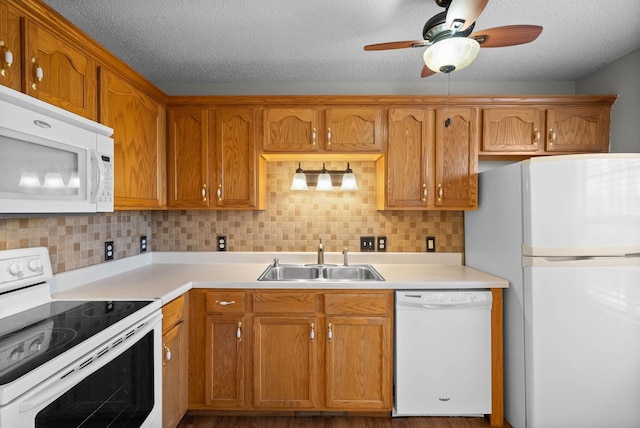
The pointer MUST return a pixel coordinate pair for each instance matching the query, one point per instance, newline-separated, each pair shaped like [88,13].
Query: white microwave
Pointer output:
[52,160]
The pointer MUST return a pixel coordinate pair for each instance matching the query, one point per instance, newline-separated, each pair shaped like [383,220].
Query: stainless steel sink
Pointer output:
[291,272]
[351,273]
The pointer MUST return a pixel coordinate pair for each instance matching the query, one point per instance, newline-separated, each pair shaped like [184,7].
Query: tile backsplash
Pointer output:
[293,221]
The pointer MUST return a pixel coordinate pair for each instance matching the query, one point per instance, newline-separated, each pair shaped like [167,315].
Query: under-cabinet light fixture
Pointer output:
[324,180]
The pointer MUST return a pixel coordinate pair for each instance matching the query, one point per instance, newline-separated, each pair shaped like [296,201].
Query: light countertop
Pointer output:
[166,275]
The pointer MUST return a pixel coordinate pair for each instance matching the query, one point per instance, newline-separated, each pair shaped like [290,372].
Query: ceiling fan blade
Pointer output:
[462,13]
[509,35]
[396,45]
[426,72]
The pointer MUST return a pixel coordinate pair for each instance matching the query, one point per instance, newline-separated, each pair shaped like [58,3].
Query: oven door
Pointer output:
[117,384]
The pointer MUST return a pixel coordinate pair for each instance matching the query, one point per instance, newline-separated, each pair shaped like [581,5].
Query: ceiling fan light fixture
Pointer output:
[454,53]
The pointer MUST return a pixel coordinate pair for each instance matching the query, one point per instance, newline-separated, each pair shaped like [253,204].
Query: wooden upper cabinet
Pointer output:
[353,129]
[578,129]
[290,129]
[317,129]
[188,163]
[513,129]
[139,124]
[457,158]
[57,72]
[235,184]
[409,151]
[10,74]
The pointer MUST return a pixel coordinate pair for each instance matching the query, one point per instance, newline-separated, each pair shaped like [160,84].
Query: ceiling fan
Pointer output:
[451,44]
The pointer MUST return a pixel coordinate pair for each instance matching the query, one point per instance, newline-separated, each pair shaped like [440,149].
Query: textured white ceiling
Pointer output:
[286,41]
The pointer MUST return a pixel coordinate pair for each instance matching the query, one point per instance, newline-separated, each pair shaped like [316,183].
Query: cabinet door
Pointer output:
[285,362]
[68,78]
[235,158]
[224,361]
[409,151]
[10,46]
[139,125]
[358,372]
[174,376]
[290,129]
[457,158]
[188,159]
[513,130]
[578,129]
[353,129]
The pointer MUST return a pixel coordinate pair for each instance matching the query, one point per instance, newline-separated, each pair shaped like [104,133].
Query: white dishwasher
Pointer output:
[442,353]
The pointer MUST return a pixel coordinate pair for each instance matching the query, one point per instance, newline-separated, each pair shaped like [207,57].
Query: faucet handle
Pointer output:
[276,262]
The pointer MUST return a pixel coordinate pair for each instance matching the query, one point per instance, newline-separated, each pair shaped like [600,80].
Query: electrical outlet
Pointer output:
[221,242]
[109,250]
[381,244]
[431,244]
[367,243]
[143,243]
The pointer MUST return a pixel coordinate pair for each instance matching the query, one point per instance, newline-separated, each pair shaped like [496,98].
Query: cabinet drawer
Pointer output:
[284,302]
[225,301]
[358,303]
[172,313]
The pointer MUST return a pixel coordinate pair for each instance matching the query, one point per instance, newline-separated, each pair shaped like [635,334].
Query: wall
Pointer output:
[295,220]
[77,241]
[621,77]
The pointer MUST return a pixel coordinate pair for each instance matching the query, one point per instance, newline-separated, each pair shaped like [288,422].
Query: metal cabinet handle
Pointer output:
[328,136]
[239,331]
[167,354]
[313,137]
[424,192]
[7,58]
[38,72]
[225,302]
[312,335]
[204,192]
[536,136]
[440,192]
[330,332]
[552,137]
[219,192]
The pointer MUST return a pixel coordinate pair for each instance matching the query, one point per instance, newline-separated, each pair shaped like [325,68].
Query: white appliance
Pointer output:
[442,353]
[72,363]
[565,232]
[51,160]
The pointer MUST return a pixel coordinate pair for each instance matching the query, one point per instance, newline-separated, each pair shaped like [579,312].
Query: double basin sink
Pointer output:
[299,272]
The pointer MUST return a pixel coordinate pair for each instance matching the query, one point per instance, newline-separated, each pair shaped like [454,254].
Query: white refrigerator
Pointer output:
[565,232]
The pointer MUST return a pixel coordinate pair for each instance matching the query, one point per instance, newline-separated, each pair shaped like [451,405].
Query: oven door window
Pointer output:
[120,394]
[41,170]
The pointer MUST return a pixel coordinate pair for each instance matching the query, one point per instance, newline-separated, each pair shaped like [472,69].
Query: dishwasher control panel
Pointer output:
[445,298]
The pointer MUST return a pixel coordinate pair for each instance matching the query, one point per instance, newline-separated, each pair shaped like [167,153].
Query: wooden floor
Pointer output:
[329,422]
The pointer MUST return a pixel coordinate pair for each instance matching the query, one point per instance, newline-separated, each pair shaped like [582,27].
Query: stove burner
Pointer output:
[60,336]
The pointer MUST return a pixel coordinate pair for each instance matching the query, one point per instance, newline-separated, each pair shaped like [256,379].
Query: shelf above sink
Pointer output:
[296,272]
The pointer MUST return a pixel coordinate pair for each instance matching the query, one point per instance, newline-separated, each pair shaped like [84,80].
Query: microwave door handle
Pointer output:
[99,172]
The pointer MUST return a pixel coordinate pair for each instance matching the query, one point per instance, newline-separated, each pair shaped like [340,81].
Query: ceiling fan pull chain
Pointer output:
[448,121]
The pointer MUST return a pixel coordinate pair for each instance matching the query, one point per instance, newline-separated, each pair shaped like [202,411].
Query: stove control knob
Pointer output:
[35,265]
[16,354]
[36,345]
[16,269]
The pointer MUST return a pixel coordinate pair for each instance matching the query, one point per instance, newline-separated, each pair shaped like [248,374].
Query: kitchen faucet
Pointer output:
[320,253]
[345,252]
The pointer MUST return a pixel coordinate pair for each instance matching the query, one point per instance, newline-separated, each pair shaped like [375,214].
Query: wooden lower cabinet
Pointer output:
[174,362]
[290,350]
[285,358]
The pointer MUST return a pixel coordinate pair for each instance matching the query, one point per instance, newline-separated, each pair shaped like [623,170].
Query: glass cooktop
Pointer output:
[33,337]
